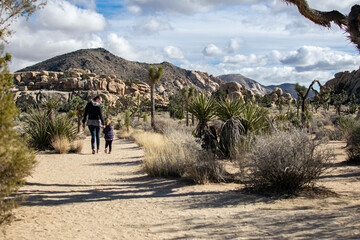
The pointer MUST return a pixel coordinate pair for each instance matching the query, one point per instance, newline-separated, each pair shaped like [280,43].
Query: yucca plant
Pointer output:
[37,127]
[41,128]
[254,119]
[203,108]
[230,112]
[51,105]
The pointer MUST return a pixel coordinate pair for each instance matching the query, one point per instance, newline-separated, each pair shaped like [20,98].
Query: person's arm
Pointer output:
[101,117]
[85,114]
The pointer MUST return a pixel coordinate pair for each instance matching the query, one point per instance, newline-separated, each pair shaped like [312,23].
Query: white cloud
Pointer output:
[153,25]
[64,16]
[183,7]
[212,50]
[120,46]
[309,58]
[242,60]
[89,4]
[173,53]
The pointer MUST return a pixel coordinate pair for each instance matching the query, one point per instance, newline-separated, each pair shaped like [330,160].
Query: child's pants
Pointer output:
[108,144]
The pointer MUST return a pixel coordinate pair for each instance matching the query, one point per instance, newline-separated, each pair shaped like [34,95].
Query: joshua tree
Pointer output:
[350,23]
[187,95]
[303,93]
[339,99]
[153,77]
[191,95]
[230,112]
[77,105]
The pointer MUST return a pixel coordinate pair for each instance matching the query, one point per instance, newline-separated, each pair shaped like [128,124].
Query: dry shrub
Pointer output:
[206,169]
[165,157]
[286,161]
[177,154]
[353,144]
[149,139]
[76,146]
[60,144]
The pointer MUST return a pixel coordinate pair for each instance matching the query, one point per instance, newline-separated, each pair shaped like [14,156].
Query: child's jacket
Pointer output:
[109,133]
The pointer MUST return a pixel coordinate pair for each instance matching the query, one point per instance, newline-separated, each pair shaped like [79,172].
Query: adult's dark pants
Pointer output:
[95,135]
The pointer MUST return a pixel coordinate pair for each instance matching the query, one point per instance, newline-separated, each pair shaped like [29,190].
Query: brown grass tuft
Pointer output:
[76,146]
[61,144]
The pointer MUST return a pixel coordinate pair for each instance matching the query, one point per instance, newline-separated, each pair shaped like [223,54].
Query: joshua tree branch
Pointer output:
[350,23]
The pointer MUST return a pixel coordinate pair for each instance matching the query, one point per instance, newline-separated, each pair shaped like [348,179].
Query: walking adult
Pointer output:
[95,121]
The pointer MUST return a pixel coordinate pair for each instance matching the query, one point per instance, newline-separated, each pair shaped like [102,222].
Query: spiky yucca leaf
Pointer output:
[203,108]
[42,128]
[229,108]
[254,119]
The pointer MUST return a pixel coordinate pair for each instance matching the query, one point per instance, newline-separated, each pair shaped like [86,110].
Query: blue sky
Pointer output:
[266,40]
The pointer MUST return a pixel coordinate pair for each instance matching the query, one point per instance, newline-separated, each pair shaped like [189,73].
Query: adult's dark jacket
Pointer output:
[94,113]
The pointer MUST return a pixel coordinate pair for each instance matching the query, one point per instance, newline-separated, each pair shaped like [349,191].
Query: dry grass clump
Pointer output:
[124,132]
[285,162]
[76,146]
[60,144]
[166,156]
[177,154]
[149,139]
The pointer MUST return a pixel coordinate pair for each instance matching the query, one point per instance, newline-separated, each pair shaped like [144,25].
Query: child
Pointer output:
[109,135]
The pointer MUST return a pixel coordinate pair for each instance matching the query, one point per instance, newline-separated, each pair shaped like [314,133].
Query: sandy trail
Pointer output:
[107,196]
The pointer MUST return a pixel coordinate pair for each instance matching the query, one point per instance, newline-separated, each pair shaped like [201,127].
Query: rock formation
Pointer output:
[28,86]
[349,81]
[235,90]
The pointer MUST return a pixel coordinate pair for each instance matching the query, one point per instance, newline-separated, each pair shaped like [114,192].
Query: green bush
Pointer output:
[41,128]
[16,160]
[353,143]
[286,161]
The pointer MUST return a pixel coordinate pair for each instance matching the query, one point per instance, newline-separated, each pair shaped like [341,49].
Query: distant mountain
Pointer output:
[101,61]
[247,82]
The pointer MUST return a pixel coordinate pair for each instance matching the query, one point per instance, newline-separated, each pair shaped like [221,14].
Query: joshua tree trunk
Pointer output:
[152,105]
[187,118]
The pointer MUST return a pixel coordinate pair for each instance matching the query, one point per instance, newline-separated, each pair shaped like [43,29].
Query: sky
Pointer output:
[266,40]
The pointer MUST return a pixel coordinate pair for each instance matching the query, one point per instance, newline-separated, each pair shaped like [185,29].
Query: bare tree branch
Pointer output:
[349,23]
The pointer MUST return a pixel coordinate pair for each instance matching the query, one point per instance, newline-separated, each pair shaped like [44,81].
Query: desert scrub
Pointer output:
[16,160]
[41,128]
[76,146]
[353,143]
[166,156]
[287,161]
[178,154]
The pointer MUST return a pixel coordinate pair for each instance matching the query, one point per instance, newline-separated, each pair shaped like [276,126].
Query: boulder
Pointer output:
[278,91]
[236,95]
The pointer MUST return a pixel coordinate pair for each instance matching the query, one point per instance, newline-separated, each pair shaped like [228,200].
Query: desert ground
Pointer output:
[108,196]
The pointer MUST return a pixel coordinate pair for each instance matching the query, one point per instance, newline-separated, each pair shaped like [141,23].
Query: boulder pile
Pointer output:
[277,94]
[235,90]
[83,82]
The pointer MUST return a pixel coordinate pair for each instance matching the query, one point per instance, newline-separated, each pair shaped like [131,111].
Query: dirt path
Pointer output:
[85,196]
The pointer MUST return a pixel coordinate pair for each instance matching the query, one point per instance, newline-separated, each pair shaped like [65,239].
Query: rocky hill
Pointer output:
[249,83]
[100,61]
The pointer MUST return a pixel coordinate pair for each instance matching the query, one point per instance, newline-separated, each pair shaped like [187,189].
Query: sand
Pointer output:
[108,196]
